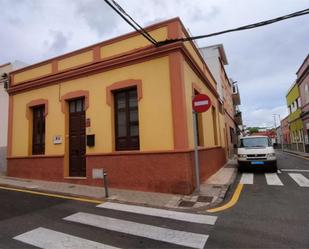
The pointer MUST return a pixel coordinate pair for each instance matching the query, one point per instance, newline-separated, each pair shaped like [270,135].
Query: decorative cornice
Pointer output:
[109,64]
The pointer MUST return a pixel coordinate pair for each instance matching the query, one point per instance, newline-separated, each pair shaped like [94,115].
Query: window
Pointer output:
[232,134]
[126,120]
[299,102]
[38,130]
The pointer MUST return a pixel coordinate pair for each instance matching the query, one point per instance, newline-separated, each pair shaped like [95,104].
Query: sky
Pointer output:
[263,61]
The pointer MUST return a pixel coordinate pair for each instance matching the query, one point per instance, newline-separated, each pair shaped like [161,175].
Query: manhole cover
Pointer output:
[186,204]
[71,186]
[204,199]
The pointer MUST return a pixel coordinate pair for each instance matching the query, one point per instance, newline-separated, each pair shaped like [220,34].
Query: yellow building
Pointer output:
[123,105]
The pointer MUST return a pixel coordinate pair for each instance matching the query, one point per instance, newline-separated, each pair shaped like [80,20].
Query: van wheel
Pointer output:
[274,167]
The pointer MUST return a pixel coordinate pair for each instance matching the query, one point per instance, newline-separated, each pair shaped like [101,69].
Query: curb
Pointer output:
[295,153]
[56,193]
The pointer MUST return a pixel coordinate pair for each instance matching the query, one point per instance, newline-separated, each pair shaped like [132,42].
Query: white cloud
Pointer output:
[264,117]
[263,61]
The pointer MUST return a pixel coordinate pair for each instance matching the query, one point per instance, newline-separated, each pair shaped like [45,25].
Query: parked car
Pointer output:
[256,152]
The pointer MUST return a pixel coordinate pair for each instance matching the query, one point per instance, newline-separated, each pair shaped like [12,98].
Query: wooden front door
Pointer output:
[77,138]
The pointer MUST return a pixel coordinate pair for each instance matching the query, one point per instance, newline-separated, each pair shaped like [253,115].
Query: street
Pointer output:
[265,216]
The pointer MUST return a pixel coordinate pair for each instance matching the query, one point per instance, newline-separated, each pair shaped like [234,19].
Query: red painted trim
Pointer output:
[36,102]
[174,30]
[6,64]
[121,85]
[100,44]
[119,153]
[75,95]
[54,66]
[179,107]
[96,53]
[184,30]
[138,57]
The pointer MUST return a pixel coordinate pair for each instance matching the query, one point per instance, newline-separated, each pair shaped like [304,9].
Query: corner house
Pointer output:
[123,105]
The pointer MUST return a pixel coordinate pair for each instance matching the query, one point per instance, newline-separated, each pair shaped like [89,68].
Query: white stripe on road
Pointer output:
[49,239]
[295,170]
[273,179]
[196,218]
[152,232]
[246,178]
[300,179]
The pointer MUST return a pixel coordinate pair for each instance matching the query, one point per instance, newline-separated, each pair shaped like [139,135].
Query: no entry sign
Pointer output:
[201,103]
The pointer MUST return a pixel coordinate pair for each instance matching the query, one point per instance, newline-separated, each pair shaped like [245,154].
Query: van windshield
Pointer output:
[254,142]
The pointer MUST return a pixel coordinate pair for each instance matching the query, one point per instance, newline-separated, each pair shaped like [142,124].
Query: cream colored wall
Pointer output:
[134,42]
[208,129]
[75,60]
[155,112]
[54,119]
[32,73]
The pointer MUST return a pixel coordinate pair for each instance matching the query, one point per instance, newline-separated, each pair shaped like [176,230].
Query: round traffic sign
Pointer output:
[201,103]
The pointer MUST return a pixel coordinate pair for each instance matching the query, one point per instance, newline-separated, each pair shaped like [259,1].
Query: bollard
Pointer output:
[105,183]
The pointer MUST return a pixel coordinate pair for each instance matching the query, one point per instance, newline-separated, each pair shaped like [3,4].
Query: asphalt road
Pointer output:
[265,216]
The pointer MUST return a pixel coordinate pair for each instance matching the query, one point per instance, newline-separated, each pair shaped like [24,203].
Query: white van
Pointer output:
[256,152]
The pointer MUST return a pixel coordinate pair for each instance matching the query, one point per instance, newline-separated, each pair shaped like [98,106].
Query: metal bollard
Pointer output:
[105,183]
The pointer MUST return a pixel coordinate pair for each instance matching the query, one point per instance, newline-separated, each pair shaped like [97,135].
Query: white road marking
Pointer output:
[196,218]
[300,179]
[49,239]
[279,171]
[295,170]
[246,178]
[273,179]
[193,240]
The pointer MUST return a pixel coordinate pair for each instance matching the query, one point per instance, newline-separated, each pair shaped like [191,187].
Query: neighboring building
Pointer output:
[286,132]
[216,60]
[269,133]
[295,121]
[5,69]
[131,102]
[303,84]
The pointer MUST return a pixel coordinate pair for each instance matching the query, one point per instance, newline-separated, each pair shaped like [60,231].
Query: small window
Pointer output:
[126,120]
[38,130]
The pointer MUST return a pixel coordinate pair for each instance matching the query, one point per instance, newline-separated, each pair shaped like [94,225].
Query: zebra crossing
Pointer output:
[273,179]
[51,239]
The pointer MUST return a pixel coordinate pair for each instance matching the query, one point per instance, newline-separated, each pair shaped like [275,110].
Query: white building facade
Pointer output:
[5,69]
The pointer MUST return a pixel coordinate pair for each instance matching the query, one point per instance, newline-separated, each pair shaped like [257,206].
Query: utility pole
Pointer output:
[281,132]
[274,115]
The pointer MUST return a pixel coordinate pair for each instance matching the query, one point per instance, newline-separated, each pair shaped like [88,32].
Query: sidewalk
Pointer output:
[303,154]
[212,191]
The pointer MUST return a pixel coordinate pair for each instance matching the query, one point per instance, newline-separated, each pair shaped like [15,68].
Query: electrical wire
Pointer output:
[140,30]
[125,13]
[250,26]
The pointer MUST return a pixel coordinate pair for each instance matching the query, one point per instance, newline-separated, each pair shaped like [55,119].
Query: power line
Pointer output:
[250,26]
[121,12]
[125,13]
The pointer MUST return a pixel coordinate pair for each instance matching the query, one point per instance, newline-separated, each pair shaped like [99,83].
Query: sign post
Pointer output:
[200,103]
